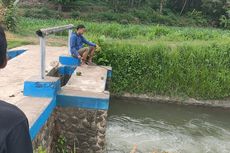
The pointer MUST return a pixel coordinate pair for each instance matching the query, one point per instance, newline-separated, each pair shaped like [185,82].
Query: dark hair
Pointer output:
[80,26]
[3,46]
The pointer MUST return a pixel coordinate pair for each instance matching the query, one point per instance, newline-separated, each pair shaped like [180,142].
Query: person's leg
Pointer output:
[91,53]
[84,54]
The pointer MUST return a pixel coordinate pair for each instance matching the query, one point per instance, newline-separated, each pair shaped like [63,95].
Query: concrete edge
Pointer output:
[174,100]
[40,122]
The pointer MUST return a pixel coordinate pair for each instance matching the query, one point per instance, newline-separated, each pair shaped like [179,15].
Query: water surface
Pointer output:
[167,127]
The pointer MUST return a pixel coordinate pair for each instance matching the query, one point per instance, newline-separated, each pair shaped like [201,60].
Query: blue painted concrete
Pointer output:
[34,130]
[66,70]
[14,53]
[82,102]
[41,89]
[50,89]
[69,60]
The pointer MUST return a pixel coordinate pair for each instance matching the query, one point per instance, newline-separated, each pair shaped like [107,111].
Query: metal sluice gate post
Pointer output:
[43,33]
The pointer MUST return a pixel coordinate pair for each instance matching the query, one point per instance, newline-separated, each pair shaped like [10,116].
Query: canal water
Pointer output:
[167,127]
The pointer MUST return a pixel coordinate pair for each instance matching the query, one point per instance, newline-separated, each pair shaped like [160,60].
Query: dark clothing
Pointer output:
[14,130]
[3,46]
[76,43]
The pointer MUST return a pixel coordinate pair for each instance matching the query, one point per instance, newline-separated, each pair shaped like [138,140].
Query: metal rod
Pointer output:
[48,31]
[43,56]
[69,47]
[42,33]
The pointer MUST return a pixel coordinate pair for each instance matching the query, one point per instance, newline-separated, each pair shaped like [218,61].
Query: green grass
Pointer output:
[157,60]
[16,43]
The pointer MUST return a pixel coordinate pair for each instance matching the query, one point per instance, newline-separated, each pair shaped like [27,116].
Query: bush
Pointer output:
[75,14]
[10,18]
[196,71]
[42,13]
[157,59]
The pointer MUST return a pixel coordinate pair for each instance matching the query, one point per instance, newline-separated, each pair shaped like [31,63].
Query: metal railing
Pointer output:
[43,33]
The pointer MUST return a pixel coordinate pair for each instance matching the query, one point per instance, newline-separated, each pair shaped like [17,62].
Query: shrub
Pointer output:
[42,13]
[75,14]
[196,71]
[10,18]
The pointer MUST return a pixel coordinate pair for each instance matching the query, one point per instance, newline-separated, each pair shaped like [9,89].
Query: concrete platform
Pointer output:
[86,89]
[91,78]
[24,66]
[20,69]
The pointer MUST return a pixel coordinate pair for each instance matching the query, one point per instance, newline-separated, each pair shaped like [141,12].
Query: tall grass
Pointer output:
[115,30]
[192,62]
[186,70]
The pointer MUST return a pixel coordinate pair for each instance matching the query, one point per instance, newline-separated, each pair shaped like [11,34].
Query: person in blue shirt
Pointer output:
[78,50]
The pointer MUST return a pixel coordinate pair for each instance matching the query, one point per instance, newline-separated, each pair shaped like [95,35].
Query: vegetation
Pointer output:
[8,14]
[168,12]
[157,59]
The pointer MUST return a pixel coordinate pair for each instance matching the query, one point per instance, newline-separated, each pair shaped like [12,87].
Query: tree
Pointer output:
[185,3]
[161,6]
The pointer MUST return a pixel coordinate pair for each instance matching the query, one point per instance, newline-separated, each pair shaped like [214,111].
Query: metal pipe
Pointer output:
[42,33]
[43,56]
[48,31]
[69,47]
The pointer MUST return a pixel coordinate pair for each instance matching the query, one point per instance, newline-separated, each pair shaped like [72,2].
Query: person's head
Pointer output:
[3,48]
[80,29]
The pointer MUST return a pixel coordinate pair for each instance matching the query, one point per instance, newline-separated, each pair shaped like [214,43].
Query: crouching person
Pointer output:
[77,41]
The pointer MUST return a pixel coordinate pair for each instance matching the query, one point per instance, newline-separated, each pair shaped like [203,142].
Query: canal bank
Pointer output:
[71,101]
[61,121]
[224,103]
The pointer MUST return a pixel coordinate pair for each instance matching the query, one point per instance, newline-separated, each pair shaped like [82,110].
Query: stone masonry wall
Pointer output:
[82,128]
[45,138]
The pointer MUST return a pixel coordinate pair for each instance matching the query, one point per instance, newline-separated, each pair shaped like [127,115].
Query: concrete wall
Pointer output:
[83,129]
[45,138]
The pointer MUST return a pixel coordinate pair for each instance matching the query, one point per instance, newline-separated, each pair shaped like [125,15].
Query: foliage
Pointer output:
[10,18]
[75,14]
[42,13]
[173,12]
[157,59]
[40,150]
[61,146]
[196,71]
[2,12]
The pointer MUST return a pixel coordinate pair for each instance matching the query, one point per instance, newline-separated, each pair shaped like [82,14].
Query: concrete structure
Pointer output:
[77,111]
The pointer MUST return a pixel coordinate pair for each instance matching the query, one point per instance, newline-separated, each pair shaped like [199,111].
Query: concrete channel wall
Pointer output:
[71,102]
[79,116]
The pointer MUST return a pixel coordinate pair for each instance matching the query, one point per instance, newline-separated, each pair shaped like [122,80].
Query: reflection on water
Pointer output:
[167,127]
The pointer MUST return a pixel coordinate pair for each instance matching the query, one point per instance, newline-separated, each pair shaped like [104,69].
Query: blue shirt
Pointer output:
[76,43]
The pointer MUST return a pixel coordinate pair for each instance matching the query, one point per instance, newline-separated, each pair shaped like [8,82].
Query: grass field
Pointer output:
[155,60]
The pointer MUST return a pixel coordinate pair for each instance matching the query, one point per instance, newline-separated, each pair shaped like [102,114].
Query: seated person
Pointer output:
[14,128]
[76,44]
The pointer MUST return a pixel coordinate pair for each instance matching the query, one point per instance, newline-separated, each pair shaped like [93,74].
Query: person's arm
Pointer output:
[88,42]
[73,44]
[18,140]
